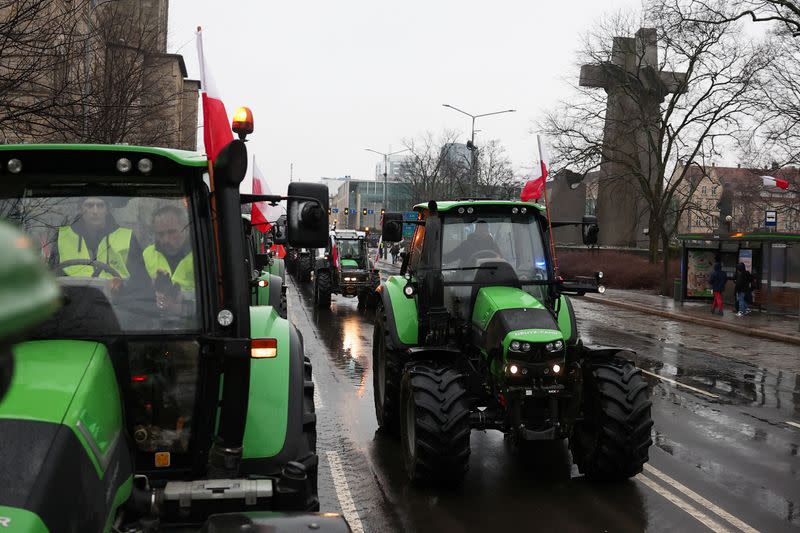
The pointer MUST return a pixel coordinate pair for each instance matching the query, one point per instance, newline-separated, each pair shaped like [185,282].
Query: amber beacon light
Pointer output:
[243,122]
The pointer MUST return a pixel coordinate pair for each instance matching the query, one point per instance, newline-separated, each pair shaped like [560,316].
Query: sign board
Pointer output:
[408,229]
[770,219]
[335,210]
[370,211]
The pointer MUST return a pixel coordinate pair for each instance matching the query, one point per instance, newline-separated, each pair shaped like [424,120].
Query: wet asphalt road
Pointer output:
[725,454]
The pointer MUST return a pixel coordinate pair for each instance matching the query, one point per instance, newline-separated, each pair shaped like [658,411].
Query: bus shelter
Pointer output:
[772,258]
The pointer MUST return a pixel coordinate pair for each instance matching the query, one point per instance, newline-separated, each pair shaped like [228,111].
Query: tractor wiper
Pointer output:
[468,268]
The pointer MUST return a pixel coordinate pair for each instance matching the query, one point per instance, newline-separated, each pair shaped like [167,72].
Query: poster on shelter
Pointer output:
[746,257]
[699,268]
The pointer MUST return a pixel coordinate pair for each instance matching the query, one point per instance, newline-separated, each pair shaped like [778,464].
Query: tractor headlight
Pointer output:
[516,345]
[512,369]
[555,346]
[526,347]
[124,165]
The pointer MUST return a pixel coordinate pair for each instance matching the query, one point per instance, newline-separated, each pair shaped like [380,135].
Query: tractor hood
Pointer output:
[499,311]
[61,433]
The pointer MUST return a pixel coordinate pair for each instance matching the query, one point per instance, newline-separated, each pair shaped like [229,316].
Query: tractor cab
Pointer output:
[345,268]
[159,392]
[478,329]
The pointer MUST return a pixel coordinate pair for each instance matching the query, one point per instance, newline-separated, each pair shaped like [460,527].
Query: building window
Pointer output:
[704,190]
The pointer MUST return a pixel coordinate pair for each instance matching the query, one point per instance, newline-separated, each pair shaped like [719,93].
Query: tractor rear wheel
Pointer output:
[322,289]
[310,419]
[434,423]
[611,443]
[386,375]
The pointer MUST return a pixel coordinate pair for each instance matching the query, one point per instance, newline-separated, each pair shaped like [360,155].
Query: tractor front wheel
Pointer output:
[611,443]
[304,268]
[434,423]
[386,374]
[322,289]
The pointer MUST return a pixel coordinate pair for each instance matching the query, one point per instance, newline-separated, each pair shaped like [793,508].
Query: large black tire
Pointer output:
[304,267]
[310,419]
[387,371]
[612,440]
[434,423]
[322,289]
[283,307]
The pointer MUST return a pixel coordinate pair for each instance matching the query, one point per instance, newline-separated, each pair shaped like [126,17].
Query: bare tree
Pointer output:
[690,124]
[428,170]
[79,71]
[786,13]
[495,173]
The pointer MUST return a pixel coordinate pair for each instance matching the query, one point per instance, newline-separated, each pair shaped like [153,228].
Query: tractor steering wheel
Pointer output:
[98,266]
[483,254]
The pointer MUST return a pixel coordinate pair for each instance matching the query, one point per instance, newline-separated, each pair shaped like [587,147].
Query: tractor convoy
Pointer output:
[148,371]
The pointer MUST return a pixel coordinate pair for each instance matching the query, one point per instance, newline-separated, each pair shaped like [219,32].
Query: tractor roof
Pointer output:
[448,205]
[181,157]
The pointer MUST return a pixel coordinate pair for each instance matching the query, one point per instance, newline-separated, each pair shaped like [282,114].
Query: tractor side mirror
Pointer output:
[307,215]
[278,231]
[392,229]
[262,262]
[230,166]
[590,230]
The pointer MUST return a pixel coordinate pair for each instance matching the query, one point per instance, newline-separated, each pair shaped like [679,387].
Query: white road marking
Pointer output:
[703,518]
[722,513]
[317,398]
[678,384]
[795,424]
[343,492]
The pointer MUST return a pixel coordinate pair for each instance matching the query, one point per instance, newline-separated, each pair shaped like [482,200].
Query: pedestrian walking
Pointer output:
[395,251]
[717,280]
[743,282]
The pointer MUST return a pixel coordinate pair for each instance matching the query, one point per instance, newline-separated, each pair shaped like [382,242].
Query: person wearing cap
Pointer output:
[96,236]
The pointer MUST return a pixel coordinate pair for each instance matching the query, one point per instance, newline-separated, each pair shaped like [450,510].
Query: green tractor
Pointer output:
[28,295]
[477,333]
[269,286]
[345,268]
[158,394]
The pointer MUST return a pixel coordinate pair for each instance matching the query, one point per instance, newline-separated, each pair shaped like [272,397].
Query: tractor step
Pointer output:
[203,497]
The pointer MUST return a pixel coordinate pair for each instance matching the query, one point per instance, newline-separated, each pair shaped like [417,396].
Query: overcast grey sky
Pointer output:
[328,79]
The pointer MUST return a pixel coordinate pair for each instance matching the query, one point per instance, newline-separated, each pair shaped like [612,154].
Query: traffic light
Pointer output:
[364,212]
[346,210]
[383,211]
[329,211]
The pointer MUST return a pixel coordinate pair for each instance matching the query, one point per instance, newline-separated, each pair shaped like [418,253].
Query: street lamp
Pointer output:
[471,144]
[385,167]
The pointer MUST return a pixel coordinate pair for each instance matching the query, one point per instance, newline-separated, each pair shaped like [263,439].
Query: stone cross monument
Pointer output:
[636,88]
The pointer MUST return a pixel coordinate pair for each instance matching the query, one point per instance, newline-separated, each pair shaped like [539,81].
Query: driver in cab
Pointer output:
[169,261]
[96,237]
[479,241]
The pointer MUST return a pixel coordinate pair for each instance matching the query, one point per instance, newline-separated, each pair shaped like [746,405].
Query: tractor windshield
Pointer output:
[122,253]
[472,242]
[352,252]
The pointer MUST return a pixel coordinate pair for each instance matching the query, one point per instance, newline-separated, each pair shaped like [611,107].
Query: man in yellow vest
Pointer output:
[169,261]
[96,236]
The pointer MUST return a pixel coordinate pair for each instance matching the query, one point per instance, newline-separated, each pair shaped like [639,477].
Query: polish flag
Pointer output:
[216,126]
[769,181]
[262,212]
[535,186]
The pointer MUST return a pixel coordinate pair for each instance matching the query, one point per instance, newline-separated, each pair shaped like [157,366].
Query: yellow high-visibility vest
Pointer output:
[184,271]
[113,250]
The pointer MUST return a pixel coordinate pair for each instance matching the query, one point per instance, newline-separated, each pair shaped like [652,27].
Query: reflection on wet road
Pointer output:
[724,457]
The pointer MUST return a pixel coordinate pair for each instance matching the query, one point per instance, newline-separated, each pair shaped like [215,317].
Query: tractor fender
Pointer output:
[600,353]
[275,419]
[402,321]
[275,288]
[566,321]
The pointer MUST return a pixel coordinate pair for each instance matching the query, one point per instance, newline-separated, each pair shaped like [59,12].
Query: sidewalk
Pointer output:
[774,327]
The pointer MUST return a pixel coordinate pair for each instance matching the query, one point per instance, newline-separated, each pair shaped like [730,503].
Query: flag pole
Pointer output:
[547,210]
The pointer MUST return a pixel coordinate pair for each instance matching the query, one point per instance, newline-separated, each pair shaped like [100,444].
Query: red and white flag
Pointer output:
[535,187]
[261,213]
[216,125]
[769,181]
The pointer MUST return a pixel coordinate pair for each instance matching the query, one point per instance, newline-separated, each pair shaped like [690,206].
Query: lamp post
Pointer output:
[471,145]
[385,167]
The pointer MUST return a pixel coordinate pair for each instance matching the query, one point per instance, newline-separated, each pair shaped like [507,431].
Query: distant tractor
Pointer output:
[477,333]
[345,268]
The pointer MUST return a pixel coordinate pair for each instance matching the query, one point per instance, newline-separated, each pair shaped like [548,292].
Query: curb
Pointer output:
[752,332]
